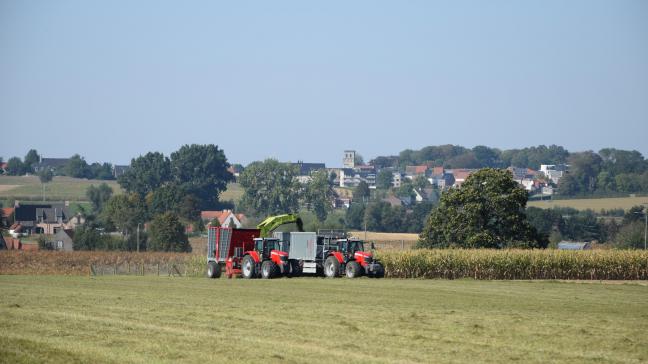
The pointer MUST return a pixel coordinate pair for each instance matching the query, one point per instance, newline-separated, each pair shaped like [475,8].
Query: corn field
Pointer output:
[516,264]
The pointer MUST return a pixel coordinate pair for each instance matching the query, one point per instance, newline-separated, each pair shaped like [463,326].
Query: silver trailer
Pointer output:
[304,248]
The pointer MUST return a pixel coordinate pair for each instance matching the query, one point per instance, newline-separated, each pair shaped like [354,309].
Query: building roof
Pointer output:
[572,245]
[415,170]
[7,211]
[48,213]
[305,169]
[461,174]
[52,162]
[220,215]
[438,171]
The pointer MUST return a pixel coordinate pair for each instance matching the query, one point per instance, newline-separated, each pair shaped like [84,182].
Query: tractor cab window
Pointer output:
[265,246]
[351,246]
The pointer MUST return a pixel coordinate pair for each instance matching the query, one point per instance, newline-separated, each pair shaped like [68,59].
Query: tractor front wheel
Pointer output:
[353,269]
[248,267]
[331,267]
[213,270]
[379,272]
[268,269]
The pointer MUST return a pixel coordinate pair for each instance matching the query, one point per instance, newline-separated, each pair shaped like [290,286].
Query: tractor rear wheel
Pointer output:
[268,269]
[213,270]
[353,269]
[248,267]
[331,267]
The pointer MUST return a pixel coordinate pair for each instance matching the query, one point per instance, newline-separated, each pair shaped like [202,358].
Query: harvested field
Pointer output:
[61,188]
[595,204]
[127,319]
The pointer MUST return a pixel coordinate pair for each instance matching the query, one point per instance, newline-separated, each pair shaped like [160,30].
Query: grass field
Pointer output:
[59,319]
[61,188]
[234,192]
[595,204]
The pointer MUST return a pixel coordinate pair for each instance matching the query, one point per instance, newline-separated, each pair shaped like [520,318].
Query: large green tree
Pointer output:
[77,167]
[384,179]
[146,174]
[168,234]
[270,188]
[125,212]
[201,170]
[15,167]
[98,196]
[487,211]
[318,195]
[31,159]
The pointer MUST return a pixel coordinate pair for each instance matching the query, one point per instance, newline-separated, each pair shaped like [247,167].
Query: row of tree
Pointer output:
[76,167]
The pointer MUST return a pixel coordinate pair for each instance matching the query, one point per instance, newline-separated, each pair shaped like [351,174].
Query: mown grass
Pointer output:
[60,188]
[59,319]
[595,204]
[233,193]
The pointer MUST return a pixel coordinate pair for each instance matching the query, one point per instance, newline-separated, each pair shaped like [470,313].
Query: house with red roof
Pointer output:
[225,218]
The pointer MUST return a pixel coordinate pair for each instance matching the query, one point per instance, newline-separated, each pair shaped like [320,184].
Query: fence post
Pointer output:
[158,269]
[402,244]
[115,269]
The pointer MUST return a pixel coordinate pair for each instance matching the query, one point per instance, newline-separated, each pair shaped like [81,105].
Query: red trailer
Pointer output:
[225,243]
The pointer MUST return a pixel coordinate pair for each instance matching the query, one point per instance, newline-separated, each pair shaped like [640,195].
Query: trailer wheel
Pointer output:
[213,270]
[248,267]
[268,269]
[331,267]
[295,271]
[353,269]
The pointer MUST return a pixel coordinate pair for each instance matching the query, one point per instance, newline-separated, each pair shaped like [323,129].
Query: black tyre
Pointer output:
[331,267]
[213,270]
[379,272]
[248,267]
[294,269]
[268,269]
[353,269]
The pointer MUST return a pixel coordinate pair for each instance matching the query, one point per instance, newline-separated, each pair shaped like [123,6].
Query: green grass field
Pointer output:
[60,189]
[62,319]
[233,192]
[595,204]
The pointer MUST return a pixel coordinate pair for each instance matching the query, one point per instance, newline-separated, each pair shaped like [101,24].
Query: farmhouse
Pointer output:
[51,164]
[225,218]
[43,218]
[62,240]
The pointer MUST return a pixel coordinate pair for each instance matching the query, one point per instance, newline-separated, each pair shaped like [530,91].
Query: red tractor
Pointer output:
[267,260]
[351,258]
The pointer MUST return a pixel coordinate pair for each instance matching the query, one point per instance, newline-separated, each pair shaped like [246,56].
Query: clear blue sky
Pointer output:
[304,80]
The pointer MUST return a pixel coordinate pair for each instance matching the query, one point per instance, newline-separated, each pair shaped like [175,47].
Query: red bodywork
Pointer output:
[361,257]
[338,256]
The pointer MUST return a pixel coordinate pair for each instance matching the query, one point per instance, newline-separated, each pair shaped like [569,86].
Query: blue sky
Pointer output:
[304,80]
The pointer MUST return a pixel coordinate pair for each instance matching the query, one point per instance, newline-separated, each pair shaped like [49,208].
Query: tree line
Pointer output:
[76,167]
